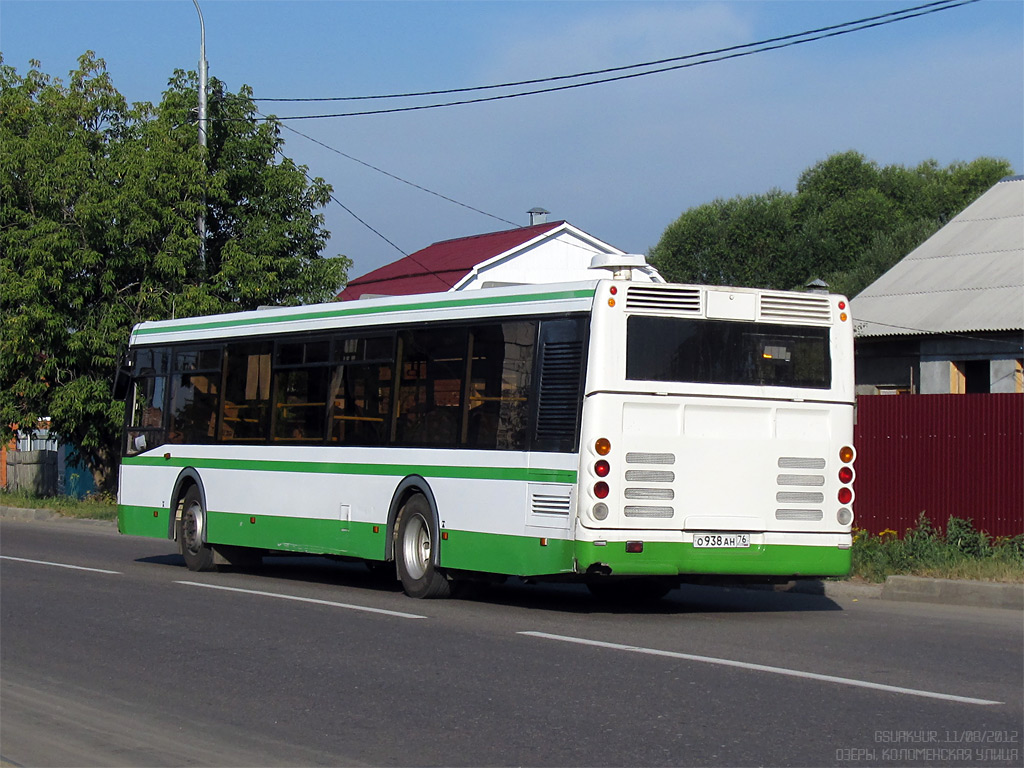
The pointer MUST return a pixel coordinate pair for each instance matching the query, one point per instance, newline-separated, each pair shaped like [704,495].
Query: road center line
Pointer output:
[279,596]
[763,668]
[58,565]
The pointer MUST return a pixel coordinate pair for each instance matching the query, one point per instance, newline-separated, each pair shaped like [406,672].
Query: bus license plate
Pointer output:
[721,540]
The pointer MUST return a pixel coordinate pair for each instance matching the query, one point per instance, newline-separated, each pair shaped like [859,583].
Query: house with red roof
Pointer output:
[544,252]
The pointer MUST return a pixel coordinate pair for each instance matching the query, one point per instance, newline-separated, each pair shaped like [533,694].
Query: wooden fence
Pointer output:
[944,455]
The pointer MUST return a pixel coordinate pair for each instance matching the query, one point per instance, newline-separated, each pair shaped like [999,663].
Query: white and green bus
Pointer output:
[630,435]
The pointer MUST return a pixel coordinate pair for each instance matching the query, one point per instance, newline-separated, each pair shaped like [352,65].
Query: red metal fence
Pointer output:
[944,455]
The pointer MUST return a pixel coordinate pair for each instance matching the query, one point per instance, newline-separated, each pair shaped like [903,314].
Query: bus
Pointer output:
[629,435]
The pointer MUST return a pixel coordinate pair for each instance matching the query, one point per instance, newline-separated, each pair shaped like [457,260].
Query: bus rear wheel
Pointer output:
[416,551]
[197,553]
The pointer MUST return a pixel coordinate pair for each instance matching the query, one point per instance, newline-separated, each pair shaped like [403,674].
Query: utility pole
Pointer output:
[202,130]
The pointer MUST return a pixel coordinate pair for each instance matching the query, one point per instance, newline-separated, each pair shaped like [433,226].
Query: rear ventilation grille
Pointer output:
[800,307]
[652,512]
[799,497]
[650,458]
[799,514]
[798,462]
[650,494]
[804,480]
[649,476]
[674,299]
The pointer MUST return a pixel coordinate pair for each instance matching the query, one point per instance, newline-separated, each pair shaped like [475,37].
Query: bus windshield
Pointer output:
[727,352]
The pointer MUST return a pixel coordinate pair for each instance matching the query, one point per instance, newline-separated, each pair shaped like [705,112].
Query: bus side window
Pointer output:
[432,371]
[245,415]
[148,398]
[301,380]
[195,395]
[500,371]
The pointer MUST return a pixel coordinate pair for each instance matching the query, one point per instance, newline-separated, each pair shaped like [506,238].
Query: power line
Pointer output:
[609,69]
[396,178]
[379,234]
[718,55]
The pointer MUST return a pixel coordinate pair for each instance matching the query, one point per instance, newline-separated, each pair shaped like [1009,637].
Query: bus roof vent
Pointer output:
[674,299]
[802,307]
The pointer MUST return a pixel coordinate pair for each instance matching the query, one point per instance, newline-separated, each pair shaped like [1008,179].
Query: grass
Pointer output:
[962,552]
[93,507]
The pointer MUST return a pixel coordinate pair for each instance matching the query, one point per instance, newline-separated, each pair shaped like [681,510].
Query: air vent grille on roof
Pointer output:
[802,307]
[664,298]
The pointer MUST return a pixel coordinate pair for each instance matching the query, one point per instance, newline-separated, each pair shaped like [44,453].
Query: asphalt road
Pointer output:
[311,662]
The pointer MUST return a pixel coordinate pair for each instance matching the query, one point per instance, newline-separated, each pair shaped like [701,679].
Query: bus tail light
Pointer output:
[846,475]
[601,490]
[847,454]
[634,547]
[602,468]
[845,495]
[600,511]
[603,446]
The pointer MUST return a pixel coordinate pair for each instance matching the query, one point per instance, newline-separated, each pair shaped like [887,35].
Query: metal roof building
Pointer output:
[952,310]
[541,253]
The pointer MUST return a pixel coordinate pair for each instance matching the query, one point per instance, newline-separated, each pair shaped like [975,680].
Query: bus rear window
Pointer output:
[727,352]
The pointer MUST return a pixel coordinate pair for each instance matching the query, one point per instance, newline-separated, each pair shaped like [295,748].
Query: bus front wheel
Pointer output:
[416,551]
[197,553]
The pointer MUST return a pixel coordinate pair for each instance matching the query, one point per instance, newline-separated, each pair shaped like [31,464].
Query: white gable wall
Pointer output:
[558,256]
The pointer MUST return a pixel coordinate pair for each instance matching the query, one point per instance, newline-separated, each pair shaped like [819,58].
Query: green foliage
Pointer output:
[98,506]
[98,207]
[848,222]
[961,552]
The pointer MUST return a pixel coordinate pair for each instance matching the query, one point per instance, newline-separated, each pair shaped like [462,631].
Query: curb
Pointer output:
[985,594]
[22,513]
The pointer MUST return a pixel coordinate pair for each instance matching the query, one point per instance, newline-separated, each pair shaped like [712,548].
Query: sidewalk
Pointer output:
[916,589]
[913,589]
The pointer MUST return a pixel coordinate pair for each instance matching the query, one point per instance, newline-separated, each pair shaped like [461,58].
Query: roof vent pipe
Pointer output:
[621,265]
[538,216]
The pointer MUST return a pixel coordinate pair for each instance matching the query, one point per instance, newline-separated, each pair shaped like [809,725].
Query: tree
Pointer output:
[848,222]
[98,208]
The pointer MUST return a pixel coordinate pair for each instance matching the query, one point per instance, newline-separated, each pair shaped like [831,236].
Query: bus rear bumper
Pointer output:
[769,554]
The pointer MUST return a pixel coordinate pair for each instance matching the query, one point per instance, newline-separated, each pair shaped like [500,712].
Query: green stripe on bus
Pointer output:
[528,474]
[503,553]
[325,314]
[298,534]
[143,521]
[674,558]
[499,553]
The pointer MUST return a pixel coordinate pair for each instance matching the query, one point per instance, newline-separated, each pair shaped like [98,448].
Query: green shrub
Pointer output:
[962,552]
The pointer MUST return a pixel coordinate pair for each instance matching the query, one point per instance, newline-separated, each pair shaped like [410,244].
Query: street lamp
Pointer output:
[202,128]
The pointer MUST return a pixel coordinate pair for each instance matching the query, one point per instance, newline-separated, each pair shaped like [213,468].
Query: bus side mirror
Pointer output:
[122,382]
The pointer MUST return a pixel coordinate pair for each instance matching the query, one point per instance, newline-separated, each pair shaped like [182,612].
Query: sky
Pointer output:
[619,160]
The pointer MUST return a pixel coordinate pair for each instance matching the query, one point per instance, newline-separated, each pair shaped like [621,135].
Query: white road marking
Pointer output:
[763,668]
[58,565]
[349,606]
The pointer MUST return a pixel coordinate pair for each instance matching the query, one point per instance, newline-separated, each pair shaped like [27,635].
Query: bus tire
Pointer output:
[197,553]
[416,550]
